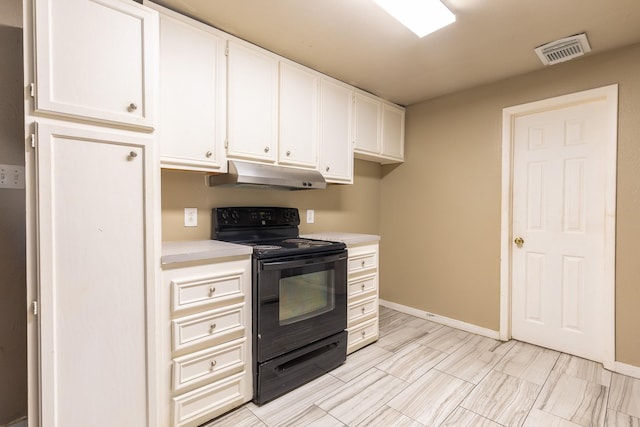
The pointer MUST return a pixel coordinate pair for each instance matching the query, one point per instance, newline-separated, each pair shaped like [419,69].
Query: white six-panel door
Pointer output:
[558,241]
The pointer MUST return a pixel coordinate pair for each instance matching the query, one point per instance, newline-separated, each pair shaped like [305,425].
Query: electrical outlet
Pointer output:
[11,176]
[190,217]
[310,216]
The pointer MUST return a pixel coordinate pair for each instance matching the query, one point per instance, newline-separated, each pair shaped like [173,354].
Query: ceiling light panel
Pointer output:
[420,16]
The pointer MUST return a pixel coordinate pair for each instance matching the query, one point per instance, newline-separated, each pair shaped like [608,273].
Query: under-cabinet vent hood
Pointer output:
[563,49]
[258,175]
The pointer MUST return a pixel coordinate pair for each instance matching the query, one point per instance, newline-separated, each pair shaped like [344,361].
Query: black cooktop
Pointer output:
[272,231]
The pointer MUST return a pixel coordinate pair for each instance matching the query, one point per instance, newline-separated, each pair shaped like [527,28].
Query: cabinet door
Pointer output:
[336,150]
[252,79]
[367,126]
[96,60]
[95,279]
[192,128]
[298,119]
[393,132]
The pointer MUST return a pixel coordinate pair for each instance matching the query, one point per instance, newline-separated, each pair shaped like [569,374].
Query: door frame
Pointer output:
[606,321]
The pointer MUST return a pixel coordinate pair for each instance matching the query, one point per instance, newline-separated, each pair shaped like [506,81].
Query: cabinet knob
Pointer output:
[132,107]
[363,334]
[363,310]
[209,154]
[133,155]
[363,286]
[363,263]
[327,168]
[288,153]
[266,149]
[212,327]
[213,364]
[212,290]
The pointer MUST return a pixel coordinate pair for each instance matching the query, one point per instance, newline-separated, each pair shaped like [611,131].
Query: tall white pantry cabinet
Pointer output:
[92,188]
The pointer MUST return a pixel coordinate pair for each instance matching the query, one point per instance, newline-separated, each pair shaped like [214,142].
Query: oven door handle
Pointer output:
[292,263]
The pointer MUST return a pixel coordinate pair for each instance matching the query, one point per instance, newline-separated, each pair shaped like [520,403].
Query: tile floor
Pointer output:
[420,373]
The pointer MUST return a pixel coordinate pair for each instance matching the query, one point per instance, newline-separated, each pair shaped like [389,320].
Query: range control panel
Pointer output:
[254,217]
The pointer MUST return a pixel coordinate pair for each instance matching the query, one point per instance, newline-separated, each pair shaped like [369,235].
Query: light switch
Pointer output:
[11,176]
[310,216]
[190,217]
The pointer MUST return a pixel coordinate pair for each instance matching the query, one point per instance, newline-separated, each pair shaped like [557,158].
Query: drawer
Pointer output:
[362,286]
[201,291]
[362,310]
[362,262]
[209,365]
[361,335]
[205,403]
[210,327]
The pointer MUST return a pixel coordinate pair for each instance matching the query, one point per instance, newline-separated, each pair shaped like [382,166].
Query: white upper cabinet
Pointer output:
[336,144]
[252,115]
[367,123]
[392,133]
[378,128]
[96,61]
[298,120]
[192,125]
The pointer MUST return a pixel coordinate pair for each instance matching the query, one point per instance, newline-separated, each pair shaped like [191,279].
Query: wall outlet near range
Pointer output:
[310,216]
[190,217]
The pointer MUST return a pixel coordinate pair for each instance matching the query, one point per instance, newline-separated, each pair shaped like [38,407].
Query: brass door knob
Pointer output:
[519,241]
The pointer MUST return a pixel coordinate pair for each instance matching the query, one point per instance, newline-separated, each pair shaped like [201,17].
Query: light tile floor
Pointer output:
[420,373]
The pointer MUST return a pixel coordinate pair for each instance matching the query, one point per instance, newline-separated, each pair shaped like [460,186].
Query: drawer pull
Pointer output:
[212,328]
[212,290]
[363,286]
[213,364]
[363,333]
[363,263]
[363,310]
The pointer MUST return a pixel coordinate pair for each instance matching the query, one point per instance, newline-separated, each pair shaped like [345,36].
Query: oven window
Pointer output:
[306,295]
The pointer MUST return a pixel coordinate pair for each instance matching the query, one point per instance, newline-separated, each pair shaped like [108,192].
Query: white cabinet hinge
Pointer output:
[226,51]
[32,138]
[32,90]
[226,143]
[34,308]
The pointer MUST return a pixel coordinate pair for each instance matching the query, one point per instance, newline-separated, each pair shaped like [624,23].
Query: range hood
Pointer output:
[258,175]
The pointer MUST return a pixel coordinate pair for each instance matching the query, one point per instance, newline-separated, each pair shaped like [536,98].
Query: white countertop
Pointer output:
[346,238]
[198,250]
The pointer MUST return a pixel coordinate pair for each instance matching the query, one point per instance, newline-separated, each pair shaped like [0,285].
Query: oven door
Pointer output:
[298,300]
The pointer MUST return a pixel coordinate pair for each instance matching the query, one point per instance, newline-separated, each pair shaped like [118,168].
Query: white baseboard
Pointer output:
[618,367]
[467,327]
[624,369]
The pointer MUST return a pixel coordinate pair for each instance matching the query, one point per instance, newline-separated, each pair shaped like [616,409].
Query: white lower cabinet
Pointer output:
[208,357]
[362,295]
[96,327]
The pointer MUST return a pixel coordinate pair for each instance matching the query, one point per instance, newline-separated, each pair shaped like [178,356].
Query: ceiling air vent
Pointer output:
[563,49]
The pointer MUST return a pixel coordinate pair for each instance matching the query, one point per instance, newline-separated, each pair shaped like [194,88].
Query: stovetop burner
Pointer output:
[265,247]
[307,242]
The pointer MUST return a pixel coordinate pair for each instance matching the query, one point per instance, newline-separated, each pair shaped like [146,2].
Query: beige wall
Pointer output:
[13,352]
[352,208]
[440,215]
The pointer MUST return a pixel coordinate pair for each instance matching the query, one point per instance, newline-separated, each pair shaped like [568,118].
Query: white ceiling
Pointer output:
[356,42]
